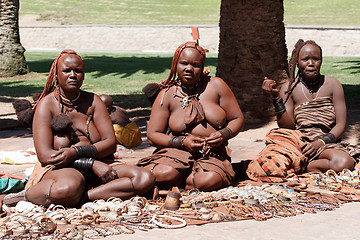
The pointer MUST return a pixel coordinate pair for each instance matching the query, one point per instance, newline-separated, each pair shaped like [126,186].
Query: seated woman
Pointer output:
[77,165]
[191,121]
[314,104]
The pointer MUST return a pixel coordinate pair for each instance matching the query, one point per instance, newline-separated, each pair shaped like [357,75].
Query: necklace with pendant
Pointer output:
[311,90]
[185,99]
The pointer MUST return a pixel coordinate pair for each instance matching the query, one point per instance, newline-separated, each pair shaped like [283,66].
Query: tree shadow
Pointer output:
[123,67]
[352,93]
[9,91]
[354,66]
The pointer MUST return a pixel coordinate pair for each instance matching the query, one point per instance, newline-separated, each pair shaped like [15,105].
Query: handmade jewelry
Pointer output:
[69,102]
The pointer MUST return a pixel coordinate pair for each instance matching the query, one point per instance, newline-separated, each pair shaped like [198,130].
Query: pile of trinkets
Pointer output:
[113,217]
[335,182]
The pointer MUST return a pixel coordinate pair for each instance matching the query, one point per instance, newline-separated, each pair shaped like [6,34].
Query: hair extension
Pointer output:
[170,80]
[60,122]
[50,81]
[293,63]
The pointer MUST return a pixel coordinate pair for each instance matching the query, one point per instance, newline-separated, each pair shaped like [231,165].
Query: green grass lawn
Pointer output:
[189,12]
[322,12]
[124,75]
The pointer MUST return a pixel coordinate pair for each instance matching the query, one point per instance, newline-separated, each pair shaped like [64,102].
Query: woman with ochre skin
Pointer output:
[315,105]
[84,170]
[191,121]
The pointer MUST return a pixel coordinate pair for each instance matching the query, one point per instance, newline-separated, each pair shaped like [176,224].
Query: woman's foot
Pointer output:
[12,199]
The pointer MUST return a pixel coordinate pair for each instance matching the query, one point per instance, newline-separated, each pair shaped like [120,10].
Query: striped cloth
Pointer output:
[315,118]
[282,156]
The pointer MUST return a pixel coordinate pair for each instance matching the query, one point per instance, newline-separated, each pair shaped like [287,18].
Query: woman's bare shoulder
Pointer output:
[216,80]
[165,95]
[217,83]
[285,85]
[46,101]
[331,80]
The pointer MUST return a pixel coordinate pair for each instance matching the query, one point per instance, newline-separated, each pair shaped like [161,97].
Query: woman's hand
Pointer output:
[104,171]
[269,87]
[215,139]
[63,157]
[193,144]
[311,148]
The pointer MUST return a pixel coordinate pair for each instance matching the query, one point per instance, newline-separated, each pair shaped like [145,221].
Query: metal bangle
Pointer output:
[329,138]
[225,133]
[176,142]
[85,151]
[279,105]
[84,163]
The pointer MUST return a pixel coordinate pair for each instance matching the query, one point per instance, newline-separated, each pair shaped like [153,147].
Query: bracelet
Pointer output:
[176,142]
[322,141]
[279,105]
[85,151]
[328,138]
[84,163]
[225,133]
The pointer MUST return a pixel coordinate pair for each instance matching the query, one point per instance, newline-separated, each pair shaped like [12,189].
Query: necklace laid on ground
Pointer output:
[311,88]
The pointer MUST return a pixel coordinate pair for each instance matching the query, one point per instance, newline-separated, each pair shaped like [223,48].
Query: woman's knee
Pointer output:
[164,173]
[206,181]
[341,162]
[143,181]
[66,190]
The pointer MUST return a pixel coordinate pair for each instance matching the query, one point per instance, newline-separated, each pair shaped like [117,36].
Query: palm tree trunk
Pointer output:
[11,51]
[252,46]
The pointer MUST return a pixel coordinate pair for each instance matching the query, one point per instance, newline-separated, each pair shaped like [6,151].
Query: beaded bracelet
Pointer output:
[176,142]
[85,151]
[172,226]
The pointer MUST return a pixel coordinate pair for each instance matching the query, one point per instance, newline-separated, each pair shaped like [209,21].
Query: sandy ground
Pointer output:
[339,224]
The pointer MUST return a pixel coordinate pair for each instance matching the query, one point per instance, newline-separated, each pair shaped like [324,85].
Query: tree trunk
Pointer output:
[252,46]
[12,60]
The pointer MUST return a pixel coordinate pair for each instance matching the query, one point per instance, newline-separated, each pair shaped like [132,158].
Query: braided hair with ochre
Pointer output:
[293,63]
[171,79]
[51,81]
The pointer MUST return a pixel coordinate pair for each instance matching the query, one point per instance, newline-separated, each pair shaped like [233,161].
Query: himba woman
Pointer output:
[78,166]
[191,121]
[315,105]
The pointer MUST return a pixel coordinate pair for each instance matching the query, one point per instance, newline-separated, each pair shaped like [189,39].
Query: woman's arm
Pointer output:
[339,107]
[228,102]
[43,136]
[158,122]
[285,119]
[234,116]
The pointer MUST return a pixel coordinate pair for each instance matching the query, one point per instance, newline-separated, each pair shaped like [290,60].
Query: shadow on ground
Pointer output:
[354,66]
[125,66]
